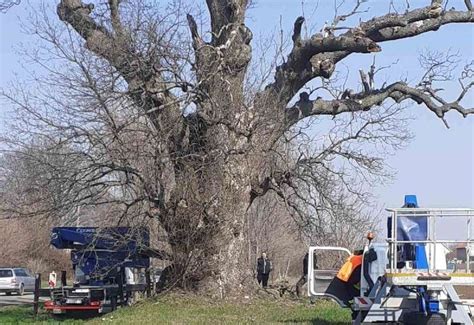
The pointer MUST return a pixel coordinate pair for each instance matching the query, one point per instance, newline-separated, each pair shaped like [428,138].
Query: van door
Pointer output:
[324,263]
[20,279]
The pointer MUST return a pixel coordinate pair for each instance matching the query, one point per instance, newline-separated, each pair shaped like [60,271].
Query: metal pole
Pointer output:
[468,245]
[435,243]
[430,238]
[36,293]
[390,239]
[392,245]
[395,234]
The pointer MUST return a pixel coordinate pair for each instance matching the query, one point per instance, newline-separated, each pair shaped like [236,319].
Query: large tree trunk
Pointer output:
[207,231]
[222,191]
[230,273]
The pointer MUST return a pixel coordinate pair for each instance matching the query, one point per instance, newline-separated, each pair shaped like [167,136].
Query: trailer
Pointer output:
[105,263]
[404,280]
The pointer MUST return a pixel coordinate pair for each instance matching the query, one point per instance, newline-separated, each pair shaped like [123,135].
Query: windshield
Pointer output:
[6,273]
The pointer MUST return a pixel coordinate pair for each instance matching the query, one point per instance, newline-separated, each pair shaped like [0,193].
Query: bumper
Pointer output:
[9,287]
[62,309]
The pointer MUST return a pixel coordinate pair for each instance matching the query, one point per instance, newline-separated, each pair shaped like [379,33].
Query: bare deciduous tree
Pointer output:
[7,4]
[181,130]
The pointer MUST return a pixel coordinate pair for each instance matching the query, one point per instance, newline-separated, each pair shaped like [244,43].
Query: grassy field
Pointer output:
[175,309]
[24,315]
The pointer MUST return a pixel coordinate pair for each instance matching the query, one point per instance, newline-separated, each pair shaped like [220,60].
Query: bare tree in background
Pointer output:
[187,132]
[7,4]
[42,180]
[25,242]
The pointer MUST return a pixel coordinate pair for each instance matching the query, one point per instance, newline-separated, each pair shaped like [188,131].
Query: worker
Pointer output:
[350,273]
[304,276]
[264,267]
[346,284]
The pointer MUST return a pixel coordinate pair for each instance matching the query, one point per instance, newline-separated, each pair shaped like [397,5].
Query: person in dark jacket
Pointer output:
[304,276]
[264,267]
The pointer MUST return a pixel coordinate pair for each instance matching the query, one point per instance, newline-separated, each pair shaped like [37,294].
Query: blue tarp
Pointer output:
[408,227]
[411,228]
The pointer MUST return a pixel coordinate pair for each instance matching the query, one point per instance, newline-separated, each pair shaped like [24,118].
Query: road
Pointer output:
[15,300]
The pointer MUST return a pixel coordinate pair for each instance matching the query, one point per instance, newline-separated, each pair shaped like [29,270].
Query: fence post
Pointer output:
[36,293]
[63,279]
[148,283]
[120,285]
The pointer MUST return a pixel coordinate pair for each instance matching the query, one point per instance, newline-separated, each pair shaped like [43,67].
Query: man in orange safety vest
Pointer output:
[346,284]
[350,273]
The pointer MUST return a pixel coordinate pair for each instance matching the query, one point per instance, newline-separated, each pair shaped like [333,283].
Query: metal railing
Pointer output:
[432,216]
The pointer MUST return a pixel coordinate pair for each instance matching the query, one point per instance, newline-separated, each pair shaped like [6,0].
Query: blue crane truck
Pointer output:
[100,257]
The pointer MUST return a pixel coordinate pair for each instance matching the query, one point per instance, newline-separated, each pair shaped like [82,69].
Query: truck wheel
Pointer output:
[419,318]
[436,319]
[22,290]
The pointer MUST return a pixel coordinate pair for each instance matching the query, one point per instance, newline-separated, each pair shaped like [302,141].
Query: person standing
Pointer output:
[304,276]
[264,267]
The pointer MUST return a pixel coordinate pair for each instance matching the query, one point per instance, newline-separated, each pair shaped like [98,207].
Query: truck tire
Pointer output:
[436,319]
[419,318]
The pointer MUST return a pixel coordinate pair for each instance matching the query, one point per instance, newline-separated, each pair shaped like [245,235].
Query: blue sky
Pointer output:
[437,165]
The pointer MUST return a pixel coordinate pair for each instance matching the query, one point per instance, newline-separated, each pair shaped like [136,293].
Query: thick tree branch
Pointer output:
[365,81]
[273,182]
[146,86]
[364,101]
[115,17]
[300,68]
[98,38]
[297,31]
[468,4]
[221,64]
[224,14]
[197,41]
[419,23]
